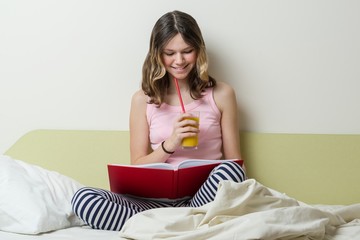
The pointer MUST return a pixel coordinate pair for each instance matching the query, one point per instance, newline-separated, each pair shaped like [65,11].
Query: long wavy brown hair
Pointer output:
[155,79]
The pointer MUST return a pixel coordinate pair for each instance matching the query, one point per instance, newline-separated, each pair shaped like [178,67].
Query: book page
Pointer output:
[184,164]
[150,165]
[199,162]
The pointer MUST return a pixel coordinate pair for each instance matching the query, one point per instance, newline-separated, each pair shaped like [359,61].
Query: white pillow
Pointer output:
[33,199]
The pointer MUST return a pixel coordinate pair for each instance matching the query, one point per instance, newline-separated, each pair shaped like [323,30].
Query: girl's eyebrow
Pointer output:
[184,49]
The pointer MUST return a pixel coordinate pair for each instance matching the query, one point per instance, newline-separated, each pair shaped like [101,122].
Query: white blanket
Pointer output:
[247,210]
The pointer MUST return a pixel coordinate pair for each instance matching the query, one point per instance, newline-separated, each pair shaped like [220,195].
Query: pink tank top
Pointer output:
[161,122]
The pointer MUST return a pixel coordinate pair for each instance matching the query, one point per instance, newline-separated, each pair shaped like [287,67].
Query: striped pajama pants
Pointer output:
[102,209]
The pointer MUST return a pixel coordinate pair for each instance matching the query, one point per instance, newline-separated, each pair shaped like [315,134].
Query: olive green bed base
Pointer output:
[313,168]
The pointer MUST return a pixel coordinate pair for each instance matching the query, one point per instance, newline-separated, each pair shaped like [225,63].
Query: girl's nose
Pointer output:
[179,59]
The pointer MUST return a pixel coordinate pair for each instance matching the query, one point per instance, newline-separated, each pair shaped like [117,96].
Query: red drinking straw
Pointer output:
[179,94]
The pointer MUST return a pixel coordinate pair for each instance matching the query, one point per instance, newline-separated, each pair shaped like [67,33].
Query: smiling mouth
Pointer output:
[180,68]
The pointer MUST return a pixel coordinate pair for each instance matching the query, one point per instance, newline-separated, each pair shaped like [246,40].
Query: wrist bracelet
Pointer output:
[163,148]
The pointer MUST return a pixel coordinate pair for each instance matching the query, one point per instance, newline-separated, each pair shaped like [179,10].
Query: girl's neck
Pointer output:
[172,97]
[183,86]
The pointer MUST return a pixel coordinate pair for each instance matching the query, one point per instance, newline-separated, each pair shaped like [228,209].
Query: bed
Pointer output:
[299,185]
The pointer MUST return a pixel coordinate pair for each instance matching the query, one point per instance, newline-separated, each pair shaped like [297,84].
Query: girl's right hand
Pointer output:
[183,127]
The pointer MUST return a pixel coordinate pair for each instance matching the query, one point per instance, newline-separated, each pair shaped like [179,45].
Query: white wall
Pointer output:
[74,64]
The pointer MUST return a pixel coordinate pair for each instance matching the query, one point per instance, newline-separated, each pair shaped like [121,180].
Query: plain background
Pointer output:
[74,64]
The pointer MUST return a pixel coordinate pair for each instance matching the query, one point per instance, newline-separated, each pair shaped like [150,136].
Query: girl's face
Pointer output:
[178,57]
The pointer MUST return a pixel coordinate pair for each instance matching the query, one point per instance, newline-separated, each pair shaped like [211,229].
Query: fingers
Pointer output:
[188,126]
[184,126]
[186,119]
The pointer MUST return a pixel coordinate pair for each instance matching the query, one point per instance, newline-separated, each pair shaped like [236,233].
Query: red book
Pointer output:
[161,180]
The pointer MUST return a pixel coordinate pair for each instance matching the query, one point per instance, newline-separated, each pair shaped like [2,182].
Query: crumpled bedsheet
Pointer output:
[247,210]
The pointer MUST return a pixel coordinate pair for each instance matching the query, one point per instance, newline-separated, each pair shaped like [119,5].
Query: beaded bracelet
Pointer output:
[163,148]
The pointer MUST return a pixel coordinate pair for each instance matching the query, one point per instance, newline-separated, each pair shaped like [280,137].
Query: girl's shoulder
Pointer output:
[224,95]
[139,98]
[139,95]
[223,89]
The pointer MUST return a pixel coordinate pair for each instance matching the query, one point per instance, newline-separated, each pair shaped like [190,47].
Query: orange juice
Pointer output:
[191,142]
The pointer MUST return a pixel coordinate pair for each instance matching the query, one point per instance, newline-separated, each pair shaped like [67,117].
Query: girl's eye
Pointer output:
[184,52]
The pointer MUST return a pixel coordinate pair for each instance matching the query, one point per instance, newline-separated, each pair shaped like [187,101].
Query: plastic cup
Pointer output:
[192,142]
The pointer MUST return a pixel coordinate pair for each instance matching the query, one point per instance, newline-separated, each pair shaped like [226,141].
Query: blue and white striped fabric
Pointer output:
[102,209]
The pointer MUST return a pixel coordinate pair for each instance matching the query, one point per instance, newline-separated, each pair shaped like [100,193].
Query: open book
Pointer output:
[162,180]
